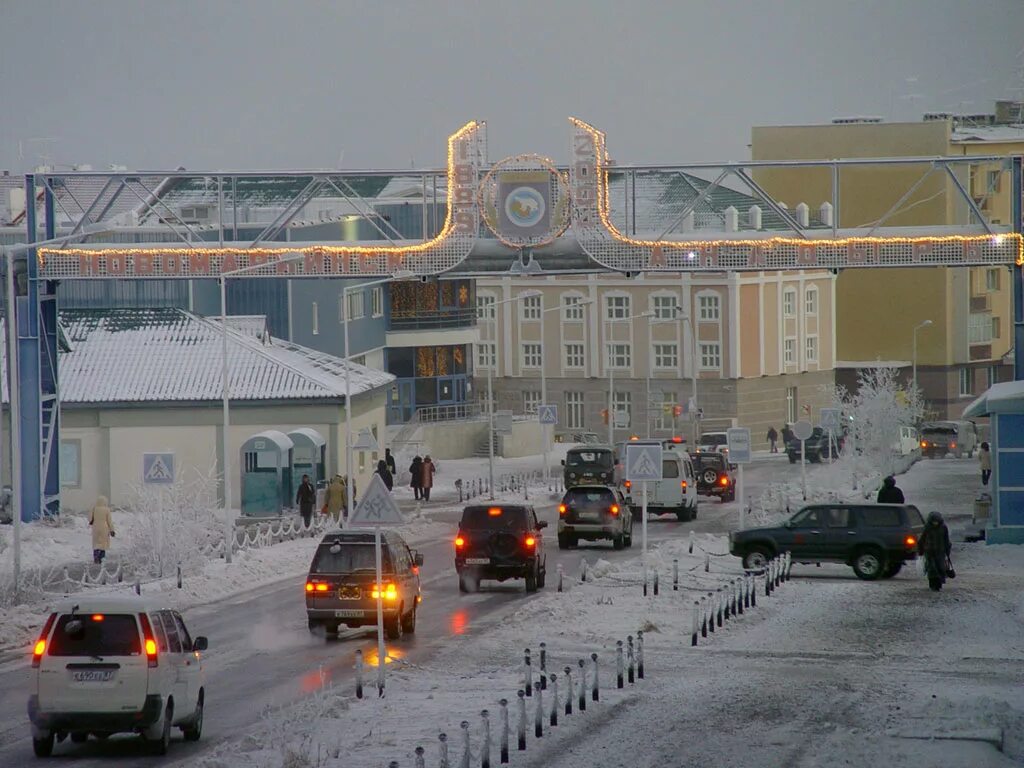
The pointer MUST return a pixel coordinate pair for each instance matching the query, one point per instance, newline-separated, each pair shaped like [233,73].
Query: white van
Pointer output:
[907,443]
[675,494]
[115,664]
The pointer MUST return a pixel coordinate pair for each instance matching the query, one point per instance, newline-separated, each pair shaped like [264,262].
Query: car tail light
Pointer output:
[40,647]
[97,617]
[309,586]
[910,541]
[390,592]
[724,481]
[614,509]
[952,445]
[494,511]
[628,484]
[530,541]
[562,509]
[924,443]
[321,587]
[683,485]
[460,542]
[148,642]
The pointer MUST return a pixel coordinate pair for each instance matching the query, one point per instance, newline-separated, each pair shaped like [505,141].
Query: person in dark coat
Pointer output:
[890,493]
[385,474]
[306,498]
[416,470]
[934,546]
[787,435]
[390,460]
[773,438]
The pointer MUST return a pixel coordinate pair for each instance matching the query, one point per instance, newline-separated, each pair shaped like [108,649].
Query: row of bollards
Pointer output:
[471,489]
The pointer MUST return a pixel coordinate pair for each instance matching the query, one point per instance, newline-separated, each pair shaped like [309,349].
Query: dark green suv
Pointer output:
[875,539]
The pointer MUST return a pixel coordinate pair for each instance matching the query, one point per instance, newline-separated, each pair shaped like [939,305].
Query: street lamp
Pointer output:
[611,371]
[687,320]
[913,359]
[492,359]
[543,368]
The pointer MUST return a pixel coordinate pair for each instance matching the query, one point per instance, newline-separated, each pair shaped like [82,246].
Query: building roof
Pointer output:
[988,133]
[169,355]
[999,398]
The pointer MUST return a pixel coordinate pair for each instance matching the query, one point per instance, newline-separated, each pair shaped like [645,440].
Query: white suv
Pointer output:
[115,664]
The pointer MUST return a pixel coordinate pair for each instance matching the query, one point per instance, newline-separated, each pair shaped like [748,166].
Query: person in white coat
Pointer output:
[102,521]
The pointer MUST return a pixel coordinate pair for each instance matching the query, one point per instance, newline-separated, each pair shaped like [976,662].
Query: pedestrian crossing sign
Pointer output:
[643,462]
[376,507]
[158,468]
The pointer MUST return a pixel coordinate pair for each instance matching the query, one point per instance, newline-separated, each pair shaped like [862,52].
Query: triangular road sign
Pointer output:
[643,462]
[377,507]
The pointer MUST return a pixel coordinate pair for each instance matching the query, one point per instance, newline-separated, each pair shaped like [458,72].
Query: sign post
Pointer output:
[738,440]
[548,417]
[377,509]
[643,463]
[801,431]
[830,424]
[158,470]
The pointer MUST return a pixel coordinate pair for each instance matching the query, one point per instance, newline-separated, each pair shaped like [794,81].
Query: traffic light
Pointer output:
[677,410]
[604,415]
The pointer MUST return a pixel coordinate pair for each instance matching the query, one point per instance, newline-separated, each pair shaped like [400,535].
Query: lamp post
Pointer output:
[543,370]
[403,274]
[492,360]
[913,359]
[688,321]
[611,372]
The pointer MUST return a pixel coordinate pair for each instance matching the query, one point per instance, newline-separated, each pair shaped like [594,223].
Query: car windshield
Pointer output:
[712,438]
[492,518]
[602,459]
[96,635]
[706,461]
[350,556]
[938,431]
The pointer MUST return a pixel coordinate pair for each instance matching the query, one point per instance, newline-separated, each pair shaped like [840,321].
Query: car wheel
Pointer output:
[468,583]
[43,747]
[409,622]
[79,738]
[542,579]
[563,541]
[868,564]
[160,740]
[194,730]
[892,570]
[792,458]
[531,579]
[617,542]
[393,628]
[315,627]
[710,477]
[756,558]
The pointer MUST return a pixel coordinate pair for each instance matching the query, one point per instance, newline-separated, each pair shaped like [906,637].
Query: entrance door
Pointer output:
[403,402]
[446,391]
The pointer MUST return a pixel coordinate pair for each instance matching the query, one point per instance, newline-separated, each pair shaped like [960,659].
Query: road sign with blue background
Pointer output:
[643,462]
[738,439]
[548,414]
[158,468]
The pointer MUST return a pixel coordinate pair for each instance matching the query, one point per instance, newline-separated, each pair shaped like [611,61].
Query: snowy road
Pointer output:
[261,654]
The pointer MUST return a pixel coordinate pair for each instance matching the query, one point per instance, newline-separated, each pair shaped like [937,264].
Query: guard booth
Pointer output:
[267,474]
[1003,403]
[309,456]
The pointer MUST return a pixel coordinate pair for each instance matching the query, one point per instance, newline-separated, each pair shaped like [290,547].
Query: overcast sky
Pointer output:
[210,84]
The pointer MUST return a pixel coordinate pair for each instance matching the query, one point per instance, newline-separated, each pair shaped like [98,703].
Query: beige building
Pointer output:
[964,349]
[764,348]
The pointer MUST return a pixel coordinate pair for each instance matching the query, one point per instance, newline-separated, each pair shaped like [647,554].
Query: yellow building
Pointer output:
[963,350]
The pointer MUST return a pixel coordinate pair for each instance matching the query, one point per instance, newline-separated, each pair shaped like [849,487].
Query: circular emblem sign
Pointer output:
[525,201]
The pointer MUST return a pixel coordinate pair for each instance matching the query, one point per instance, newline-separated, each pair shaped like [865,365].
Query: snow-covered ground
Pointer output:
[829,670]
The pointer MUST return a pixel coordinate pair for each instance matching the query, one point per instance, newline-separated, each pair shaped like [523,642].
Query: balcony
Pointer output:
[979,328]
[431,320]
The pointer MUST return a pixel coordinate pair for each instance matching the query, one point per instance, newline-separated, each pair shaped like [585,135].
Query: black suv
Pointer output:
[875,539]
[816,447]
[714,475]
[500,541]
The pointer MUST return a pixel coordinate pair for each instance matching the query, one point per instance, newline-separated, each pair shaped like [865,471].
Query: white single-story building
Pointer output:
[144,381]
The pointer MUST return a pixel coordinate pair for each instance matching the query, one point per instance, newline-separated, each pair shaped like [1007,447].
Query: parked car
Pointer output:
[941,437]
[908,442]
[341,588]
[589,465]
[714,475]
[592,513]
[577,436]
[122,664]
[500,541]
[675,494]
[816,447]
[875,539]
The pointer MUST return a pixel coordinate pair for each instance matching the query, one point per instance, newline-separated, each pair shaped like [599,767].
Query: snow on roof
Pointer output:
[1005,396]
[986,133]
[169,355]
[858,364]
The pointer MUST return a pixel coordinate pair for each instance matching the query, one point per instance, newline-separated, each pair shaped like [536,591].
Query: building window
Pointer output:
[377,301]
[622,402]
[811,301]
[531,355]
[664,307]
[993,375]
[316,319]
[980,328]
[573,311]
[966,382]
[574,410]
[662,404]
[71,463]
[709,306]
[485,304]
[356,308]
[574,356]
[359,359]
[789,303]
[531,399]
[485,357]
[619,356]
[710,355]
[529,308]
[811,349]
[616,307]
[992,279]
[995,328]
[666,356]
[791,405]
[789,351]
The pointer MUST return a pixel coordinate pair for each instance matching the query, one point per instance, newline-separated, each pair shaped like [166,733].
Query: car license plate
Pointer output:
[348,614]
[478,561]
[92,675]
[593,516]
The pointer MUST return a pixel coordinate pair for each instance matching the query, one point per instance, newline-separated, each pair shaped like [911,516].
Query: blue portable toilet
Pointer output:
[309,456]
[267,474]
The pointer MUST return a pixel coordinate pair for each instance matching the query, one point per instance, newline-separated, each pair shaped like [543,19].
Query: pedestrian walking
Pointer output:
[336,497]
[787,435]
[935,547]
[306,498]
[416,471]
[102,521]
[385,474]
[773,438]
[889,493]
[985,460]
[427,477]
[390,461]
